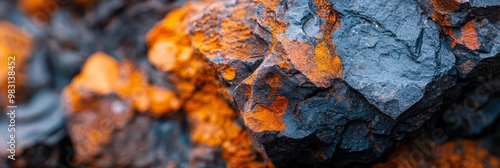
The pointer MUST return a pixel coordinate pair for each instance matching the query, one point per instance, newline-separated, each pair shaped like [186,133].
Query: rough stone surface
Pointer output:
[470,27]
[321,82]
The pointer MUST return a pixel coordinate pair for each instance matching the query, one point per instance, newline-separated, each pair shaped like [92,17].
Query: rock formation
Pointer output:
[321,82]
[254,83]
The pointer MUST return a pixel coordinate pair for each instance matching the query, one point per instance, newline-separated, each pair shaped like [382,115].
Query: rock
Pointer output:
[213,123]
[458,153]
[470,28]
[321,82]
[241,83]
[103,124]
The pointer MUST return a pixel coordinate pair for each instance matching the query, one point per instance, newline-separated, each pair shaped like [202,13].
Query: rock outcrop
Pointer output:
[321,82]
[253,83]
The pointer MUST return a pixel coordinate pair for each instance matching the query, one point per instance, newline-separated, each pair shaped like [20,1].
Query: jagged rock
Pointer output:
[471,28]
[316,83]
[214,124]
[321,82]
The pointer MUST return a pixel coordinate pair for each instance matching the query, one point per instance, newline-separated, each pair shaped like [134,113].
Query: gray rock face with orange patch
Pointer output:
[322,82]
[471,28]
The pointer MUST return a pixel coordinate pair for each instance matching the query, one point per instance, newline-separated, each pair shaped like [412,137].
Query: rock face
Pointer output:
[470,27]
[241,83]
[321,82]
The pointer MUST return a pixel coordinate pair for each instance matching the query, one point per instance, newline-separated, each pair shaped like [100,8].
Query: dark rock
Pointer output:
[320,83]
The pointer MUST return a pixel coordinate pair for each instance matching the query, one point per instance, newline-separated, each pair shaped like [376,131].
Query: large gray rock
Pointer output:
[334,83]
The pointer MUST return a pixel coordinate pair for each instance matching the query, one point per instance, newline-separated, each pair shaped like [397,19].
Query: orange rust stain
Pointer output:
[274,82]
[272,4]
[319,63]
[267,118]
[469,35]
[326,62]
[163,101]
[445,6]
[229,73]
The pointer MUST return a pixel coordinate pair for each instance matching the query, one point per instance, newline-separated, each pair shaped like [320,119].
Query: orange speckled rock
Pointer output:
[318,81]
[458,153]
[103,76]
[212,121]
[237,41]
[470,29]
[102,99]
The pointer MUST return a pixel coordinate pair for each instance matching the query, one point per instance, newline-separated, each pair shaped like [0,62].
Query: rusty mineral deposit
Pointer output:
[323,82]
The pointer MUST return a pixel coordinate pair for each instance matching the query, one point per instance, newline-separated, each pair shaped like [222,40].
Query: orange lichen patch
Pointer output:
[267,118]
[229,34]
[229,73]
[99,75]
[41,10]
[102,75]
[460,153]
[317,63]
[469,35]
[274,82]
[174,25]
[133,87]
[326,11]
[15,50]
[170,43]
[327,62]
[163,101]
[213,123]
[163,55]
[272,4]
[445,6]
